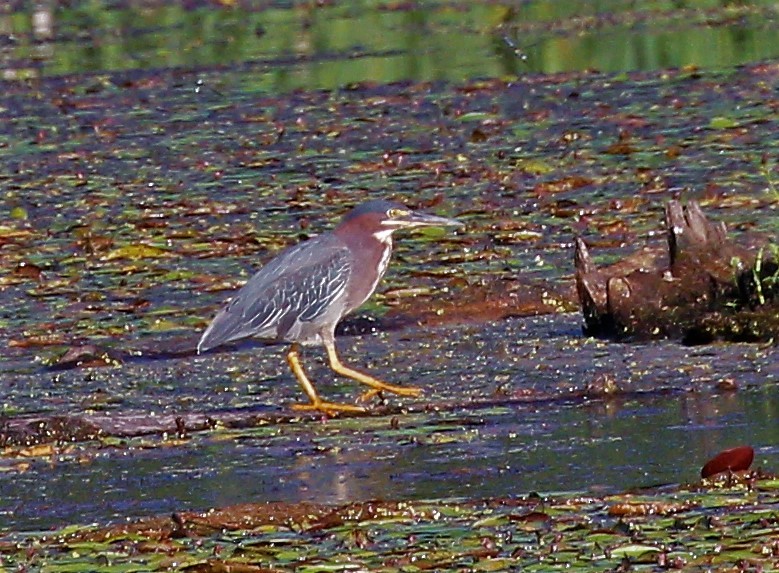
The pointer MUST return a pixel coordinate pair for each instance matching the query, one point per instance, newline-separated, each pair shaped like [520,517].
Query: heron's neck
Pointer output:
[372,248]
[371,254]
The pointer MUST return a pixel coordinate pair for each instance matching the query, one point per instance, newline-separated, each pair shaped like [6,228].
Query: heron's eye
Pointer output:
[396,213]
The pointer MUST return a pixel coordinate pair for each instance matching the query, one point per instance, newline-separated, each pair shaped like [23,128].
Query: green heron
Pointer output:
[302,294]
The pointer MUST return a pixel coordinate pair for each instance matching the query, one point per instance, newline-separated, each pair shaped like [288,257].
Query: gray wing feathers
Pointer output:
[322,288]
[298,285]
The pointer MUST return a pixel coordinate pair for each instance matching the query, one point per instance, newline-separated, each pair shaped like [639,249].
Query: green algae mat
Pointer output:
[726,525]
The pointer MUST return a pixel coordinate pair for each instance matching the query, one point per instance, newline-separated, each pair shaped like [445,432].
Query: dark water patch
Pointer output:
[602,446]
[524,422]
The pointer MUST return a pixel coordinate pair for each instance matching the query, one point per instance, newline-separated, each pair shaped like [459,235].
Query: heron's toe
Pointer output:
[328,408]
[399,390]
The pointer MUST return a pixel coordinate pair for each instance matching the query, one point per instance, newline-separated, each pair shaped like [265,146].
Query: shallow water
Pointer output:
[499,441]
[625,443]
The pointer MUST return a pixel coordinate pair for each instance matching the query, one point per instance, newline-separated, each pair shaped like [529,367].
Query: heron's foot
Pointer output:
[328,407]
[399,390]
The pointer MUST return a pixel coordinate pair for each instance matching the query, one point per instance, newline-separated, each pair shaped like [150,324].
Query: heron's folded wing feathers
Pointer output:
[299,285]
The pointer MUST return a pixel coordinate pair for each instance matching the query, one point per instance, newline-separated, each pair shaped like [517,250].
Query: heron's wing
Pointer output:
[297,285]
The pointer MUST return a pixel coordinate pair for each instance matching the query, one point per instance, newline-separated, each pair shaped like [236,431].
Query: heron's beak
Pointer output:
[417,219]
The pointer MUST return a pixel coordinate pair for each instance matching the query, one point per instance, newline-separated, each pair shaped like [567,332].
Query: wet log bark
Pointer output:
[700,288]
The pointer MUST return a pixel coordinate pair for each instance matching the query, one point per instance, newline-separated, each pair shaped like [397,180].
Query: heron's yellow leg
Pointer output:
[377,385]
[317,404]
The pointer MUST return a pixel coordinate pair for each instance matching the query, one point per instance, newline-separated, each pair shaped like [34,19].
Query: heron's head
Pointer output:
[382,218]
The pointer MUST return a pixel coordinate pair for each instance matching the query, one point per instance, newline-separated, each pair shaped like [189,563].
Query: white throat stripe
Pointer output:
[384,236]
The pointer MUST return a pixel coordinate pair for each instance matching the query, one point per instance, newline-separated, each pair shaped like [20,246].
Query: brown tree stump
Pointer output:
[702,287]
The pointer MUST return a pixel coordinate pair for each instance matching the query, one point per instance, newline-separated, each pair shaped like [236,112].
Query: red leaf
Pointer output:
[735,460]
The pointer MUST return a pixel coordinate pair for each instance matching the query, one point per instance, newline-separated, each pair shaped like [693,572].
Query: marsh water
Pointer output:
[295,45]
[497,441]
[500,452]
[154,155]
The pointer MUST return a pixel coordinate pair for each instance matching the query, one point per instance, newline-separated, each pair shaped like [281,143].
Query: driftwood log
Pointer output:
[702,287]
